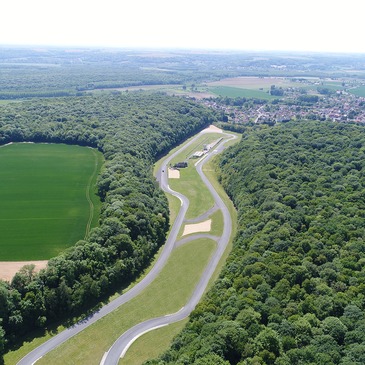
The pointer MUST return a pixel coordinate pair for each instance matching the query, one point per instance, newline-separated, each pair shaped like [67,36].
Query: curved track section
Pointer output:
[122,344]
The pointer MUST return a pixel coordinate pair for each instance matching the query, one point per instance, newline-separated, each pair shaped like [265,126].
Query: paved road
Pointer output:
[122,344]
[65,335]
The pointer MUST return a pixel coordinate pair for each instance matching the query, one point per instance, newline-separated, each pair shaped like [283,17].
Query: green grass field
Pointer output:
[48,201]
[167,294]
[190,183]
[234,92]
[152,344]
[359,91]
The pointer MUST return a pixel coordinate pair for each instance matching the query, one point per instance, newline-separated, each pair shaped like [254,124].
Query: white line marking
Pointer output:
[172,314]
[102,362]
[139,335]
[4,145]
[201,159]
[36,360]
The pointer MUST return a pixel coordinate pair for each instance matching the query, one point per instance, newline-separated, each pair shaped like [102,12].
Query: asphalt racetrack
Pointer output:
[120,347]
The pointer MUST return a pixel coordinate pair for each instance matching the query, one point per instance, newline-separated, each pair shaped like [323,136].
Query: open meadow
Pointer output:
[253,82]
[249,86]
[48,200]
[358,91]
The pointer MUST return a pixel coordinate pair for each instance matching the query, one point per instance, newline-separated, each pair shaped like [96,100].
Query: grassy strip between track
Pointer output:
[167,294]
[152,344]
[149,345]
[189,182]
[144,346]
[200,200]
[174,207]
[182,272]
[216,225]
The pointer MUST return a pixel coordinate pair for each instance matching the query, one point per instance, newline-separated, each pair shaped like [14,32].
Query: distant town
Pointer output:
[294,104]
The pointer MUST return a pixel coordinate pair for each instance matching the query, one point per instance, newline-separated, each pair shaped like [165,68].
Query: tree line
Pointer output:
[132,131]
[292,290]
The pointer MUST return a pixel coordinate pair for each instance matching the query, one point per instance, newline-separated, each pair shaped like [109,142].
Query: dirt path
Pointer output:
[213,128]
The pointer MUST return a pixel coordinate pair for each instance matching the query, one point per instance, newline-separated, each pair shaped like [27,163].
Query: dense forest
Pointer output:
[132,131]
[292,291]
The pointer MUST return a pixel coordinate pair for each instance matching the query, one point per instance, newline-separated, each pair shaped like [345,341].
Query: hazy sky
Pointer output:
[314,25]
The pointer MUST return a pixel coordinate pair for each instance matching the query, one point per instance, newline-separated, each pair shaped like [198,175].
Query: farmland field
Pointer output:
[359,91]
[234,92]
[249,87]
[48,201]
[254,83]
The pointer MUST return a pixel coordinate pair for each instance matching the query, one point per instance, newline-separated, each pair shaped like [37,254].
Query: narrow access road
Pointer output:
[122,344]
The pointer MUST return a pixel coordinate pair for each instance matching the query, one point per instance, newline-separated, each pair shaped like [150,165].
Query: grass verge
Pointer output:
[152,344]
[174,207]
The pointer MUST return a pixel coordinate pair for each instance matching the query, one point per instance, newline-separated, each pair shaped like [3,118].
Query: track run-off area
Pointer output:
[222,238]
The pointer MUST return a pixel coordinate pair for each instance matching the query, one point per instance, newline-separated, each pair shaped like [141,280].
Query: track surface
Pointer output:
[121,345]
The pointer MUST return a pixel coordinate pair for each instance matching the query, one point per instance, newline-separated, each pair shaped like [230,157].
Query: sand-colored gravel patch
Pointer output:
[198,227]
[9,269]
[174,174]
[213,128]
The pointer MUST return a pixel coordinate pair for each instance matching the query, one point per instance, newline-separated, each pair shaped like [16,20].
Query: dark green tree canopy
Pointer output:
[132,131]
[294,282]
